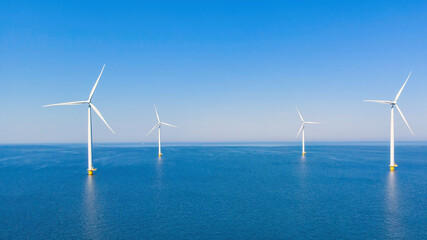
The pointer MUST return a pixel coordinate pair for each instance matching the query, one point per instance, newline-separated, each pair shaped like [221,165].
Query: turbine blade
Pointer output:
[300,115]
[158,119]
[404,119]
[66,103]
[400,91]
[302,126]
[100,116]
[155,126]
[378,101]
[312,122]
[96,84]
[167,124]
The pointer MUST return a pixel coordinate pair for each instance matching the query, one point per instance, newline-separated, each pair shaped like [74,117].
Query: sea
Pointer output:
[213,191]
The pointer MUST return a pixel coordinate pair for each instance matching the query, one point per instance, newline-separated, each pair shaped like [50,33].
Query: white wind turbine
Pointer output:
[158,125]
[302,129]
[89,132]
[394,104]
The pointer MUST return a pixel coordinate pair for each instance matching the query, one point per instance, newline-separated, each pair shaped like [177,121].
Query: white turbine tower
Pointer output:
[302,129]
[158,125]
[394,104]
[89,132]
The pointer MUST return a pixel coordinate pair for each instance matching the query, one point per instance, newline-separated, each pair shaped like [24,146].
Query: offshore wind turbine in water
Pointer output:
[91,106]
[158,125]
[302,129]
[393,105]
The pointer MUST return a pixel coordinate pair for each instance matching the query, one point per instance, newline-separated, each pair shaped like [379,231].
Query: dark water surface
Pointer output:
[213,192]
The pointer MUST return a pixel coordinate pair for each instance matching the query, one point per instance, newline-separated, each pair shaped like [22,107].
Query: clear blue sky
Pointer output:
[220,71]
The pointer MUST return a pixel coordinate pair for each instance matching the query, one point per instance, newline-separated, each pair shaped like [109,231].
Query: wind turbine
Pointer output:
[302,129]
[394,104]
[89,130]
[158,125]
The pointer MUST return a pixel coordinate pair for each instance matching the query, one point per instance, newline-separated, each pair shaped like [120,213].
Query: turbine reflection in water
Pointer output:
[302,159]
[303,166]
[392,207]
[92,217]
[303,174]
[159,172]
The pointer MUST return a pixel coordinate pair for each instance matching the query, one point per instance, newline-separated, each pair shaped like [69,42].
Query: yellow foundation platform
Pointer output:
[303,153]
[392,167]
[90,171]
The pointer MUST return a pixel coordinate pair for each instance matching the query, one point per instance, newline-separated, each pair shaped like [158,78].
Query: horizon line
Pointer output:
[212,142]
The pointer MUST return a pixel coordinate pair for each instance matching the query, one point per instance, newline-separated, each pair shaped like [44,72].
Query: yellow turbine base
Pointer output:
[303,153]
[90,171]
[160,154]
[392,168]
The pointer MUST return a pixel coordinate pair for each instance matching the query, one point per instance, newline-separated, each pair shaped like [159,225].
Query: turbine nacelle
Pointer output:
[89,102]
[159,123]
[303,123]
[394,103]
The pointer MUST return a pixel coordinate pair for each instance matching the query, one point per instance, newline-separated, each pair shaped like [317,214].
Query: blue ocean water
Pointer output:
[239,191]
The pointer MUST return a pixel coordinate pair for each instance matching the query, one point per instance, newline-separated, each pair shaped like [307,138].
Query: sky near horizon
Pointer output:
[219,70]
